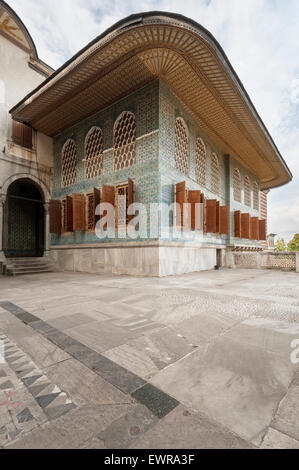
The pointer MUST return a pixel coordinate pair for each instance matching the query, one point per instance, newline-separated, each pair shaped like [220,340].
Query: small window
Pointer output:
[69,163]
[256,202]
[94,153]
[201,162]
[181,147]
[22,134]
[215,174]
[90,212]
[122,205]
[237,185]
[247,191]
[125,141]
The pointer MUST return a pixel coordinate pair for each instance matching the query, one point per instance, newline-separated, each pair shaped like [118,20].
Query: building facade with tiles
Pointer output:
[152,113]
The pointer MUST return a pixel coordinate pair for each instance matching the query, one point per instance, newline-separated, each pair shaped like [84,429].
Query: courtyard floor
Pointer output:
[195,361]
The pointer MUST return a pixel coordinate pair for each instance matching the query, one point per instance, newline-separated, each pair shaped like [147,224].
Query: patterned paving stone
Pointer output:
[154,399]
[58,411]
[3,373]
[38,389]
[46,400]
[31,380]
[25,416]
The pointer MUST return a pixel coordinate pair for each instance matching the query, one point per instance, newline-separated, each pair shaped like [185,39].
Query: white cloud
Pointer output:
[260,38]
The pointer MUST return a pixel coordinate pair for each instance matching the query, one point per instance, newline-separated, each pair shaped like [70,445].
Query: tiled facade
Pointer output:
[155,174]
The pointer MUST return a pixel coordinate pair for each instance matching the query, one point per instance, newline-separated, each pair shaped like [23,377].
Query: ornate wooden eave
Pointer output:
[190,62]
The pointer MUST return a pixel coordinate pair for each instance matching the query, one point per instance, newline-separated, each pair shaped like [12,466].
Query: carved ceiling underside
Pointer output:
[190,63]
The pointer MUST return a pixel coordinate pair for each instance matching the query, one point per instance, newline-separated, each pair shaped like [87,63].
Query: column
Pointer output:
[2,202]
[47,229]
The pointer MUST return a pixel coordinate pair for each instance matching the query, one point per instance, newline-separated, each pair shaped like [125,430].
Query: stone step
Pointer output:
[19,272]
[22,266]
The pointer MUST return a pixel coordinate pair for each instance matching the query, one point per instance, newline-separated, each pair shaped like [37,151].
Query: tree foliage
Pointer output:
[280,245]
[293,245]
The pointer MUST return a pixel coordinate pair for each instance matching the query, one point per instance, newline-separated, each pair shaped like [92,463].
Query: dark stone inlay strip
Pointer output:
[158,402]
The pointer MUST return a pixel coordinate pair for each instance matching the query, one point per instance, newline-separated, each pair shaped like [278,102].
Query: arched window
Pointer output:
[201,162]
[181,146]
[69,163]
[125,141]
[237,185]
[256,202]
[215,174]
[94,153]
[247,191]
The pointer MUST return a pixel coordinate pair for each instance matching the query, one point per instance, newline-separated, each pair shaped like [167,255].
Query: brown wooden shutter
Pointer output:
[245,222]
[97,201]
[262,230]
[27,136]
[255,228]
[224,220]
[211,216]
[180,198]
[78,212]
[203,208]
[131,198]
[108,195]
[194,199]
[69,214]
[237,224]
[55,217]
[17,132]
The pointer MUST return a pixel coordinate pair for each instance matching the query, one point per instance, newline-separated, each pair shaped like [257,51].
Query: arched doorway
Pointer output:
[23,220]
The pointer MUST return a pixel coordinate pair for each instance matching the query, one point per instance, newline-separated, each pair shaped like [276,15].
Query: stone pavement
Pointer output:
[195,361]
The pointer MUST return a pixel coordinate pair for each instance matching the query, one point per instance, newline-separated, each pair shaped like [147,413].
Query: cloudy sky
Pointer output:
[260,37]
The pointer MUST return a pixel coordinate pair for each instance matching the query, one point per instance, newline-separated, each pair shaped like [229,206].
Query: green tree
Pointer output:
[280,245]
[293,245]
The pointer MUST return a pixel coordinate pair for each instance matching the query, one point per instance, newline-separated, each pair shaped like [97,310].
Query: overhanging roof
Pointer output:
[182,54]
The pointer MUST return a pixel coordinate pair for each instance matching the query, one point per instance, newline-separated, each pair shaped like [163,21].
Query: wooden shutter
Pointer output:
[180,198]
[131,198]
[254,228]
[97,201]
[203,208]
[194,199]
[224,220]
[27,137]
[108,195]
[237,224]
[262,230]
[55,217]
[211,216]
[69,214]
[17,132]
[78,212]
[245,222]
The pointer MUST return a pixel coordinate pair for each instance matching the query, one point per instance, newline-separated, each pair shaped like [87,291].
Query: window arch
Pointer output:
[201,162]
[69,163]
[181,146]
[237,185]
[215,174]
[256,202]
[94,153]
[125,141]
[247,191]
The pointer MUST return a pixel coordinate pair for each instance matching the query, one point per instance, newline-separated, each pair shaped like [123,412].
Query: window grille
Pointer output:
[256,204]
[122,198]
[181,147]
[69,163]
[125,141]
[237,185]
[201,162]
[90,212]
[247,191]
[94,153]
[215,174]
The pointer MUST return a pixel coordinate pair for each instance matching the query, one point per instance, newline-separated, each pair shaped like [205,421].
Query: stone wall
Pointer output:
[288,261]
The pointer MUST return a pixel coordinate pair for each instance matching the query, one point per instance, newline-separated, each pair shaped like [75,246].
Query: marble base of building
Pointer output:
[139,259]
